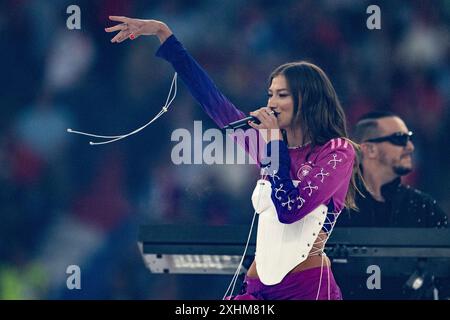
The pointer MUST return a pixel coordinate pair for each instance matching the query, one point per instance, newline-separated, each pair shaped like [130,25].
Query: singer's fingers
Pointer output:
[271,113]
[119,18]
[266,121]
[263,112]
[255,114]
[260,116]
[126,35]
[118,27]
[121,36]
[254,125]
[117,37]
[258,110]
[264,117]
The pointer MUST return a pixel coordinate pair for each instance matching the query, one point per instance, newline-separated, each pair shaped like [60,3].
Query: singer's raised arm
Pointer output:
[202,88]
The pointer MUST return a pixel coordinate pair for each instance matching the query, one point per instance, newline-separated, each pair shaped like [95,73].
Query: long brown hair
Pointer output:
[318,109]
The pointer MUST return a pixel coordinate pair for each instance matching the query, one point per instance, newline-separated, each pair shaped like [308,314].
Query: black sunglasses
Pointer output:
[398,138]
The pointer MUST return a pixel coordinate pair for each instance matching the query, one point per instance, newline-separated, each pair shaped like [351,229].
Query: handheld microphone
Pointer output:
[243,123]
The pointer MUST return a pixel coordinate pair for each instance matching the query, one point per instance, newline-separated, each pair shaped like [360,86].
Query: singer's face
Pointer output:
[281,101]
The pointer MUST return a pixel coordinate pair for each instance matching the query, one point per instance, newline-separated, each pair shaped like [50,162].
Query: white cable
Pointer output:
[328,273]
[236,274]
[164,109]
[320,279]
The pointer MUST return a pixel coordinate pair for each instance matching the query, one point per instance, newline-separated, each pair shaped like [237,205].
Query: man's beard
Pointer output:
[401,171]
[397,168]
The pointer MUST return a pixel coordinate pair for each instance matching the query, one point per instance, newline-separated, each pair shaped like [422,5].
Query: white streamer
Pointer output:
[164,109]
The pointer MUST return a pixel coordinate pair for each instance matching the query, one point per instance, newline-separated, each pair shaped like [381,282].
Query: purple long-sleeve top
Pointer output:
[323,174]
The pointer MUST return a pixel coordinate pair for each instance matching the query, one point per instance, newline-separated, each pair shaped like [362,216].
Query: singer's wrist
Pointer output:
[163,32]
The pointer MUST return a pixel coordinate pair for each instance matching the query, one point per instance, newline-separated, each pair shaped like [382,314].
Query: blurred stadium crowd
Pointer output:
[65,202]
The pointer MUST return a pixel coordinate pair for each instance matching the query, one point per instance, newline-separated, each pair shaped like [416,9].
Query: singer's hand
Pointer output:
[130,28]
[269,124]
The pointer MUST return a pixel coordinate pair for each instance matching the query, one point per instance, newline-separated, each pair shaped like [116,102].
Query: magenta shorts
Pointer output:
[302,285]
